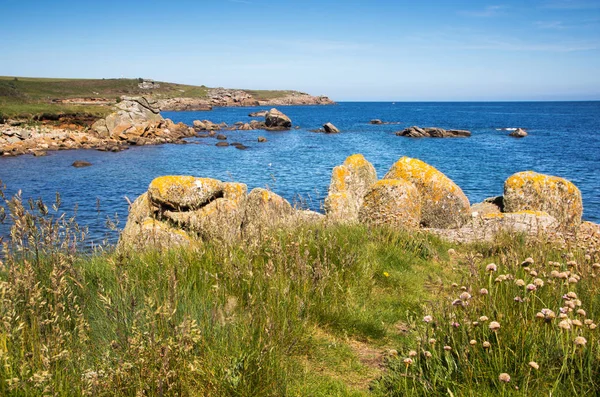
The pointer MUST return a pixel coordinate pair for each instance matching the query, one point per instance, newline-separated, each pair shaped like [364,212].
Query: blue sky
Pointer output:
[347,49]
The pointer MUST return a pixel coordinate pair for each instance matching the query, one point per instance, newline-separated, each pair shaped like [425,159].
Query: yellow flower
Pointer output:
[386,274]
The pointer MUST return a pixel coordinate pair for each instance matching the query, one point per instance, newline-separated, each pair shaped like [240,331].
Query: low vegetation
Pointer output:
[336,311]
[25,97]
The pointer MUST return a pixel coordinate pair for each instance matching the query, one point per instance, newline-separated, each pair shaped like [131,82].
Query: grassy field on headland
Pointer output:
[25,96]
[320,311]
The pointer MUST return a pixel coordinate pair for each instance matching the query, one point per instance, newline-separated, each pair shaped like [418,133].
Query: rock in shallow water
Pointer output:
[81,163]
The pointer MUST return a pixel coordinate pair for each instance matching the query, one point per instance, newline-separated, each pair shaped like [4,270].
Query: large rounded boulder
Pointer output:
[265,210]
[349,184]
[393,202]
[530,191]
[443,203]
[274,119]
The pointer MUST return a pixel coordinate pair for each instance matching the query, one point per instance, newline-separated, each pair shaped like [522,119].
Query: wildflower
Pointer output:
[432,341]
[465,296]
[386,274]
[520,283]
[538,282]
[486,345]
[412,353]
[554,274]
[573,280]
[393,352]
[457,302]
[527,262]
[428,319]
[581,312]
[451,252]
[408,361]
[596,266]
[592,326]
[564,275]
[504,377]
[564,324]
[546,314]
[494,326]
[475,323]
[483,291]
[463,288]
[518,299]
[472,342]
[577,323]
[483,319]
[491,267]
[587,257]
[533,273]
[447,348]
[580,341]
[427,354]
[571,263]
[534,365]
[577,302]
[562,315]
[531,287]
[454,285]
[588,321]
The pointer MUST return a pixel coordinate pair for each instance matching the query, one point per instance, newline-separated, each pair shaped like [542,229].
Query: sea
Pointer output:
[563,140]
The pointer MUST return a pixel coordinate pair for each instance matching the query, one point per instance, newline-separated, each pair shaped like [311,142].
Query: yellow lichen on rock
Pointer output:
[393,202]
[183,191]
[349,183]
[265,210]
[152,234]
[444,205]
[530,191]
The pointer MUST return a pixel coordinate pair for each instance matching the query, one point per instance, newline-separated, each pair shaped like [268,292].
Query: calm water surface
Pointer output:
[564,140]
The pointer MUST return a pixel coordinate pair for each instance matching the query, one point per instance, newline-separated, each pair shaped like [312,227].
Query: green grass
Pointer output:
[304,312]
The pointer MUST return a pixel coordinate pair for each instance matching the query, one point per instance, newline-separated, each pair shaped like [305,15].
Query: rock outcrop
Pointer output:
[444,205]
[392,202]
[350,182]
[330,128]
[530,191]
[276,120]
[183,210]
[518,133]
[184,104]
[432,132]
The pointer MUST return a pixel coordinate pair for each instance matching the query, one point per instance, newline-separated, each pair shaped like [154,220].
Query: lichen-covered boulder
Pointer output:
[393,202]
[274,119]
[184,192]
[349,184]
[220,219]
[530,191]
[142,231]
[443,203]
[265,210]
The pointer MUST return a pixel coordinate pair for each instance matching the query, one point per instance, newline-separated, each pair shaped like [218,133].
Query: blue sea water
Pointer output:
[564,140]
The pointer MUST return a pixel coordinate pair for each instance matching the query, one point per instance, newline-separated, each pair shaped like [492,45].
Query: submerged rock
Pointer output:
[444,205]
[530,191]
[81,163]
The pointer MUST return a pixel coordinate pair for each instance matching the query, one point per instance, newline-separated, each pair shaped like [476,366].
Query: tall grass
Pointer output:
[215,320]
[288,315]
